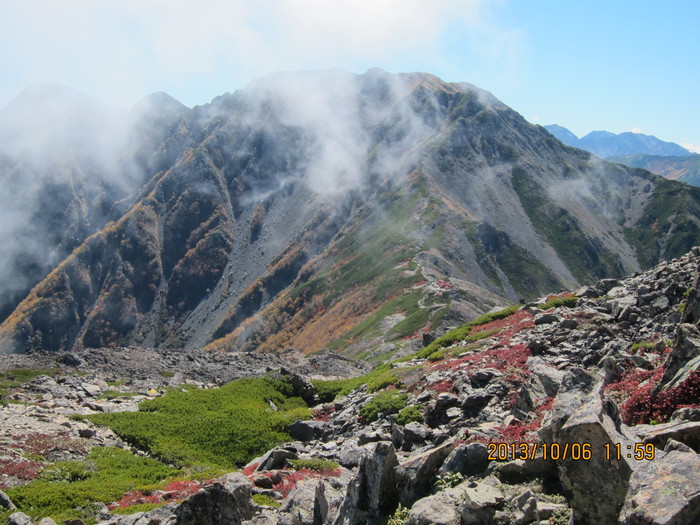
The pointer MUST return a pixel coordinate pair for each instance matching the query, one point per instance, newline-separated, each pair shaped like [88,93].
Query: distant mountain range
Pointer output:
[319,210]
[606,144]
[637,150]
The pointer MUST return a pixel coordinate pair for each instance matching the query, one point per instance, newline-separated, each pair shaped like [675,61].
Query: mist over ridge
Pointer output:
[307,210]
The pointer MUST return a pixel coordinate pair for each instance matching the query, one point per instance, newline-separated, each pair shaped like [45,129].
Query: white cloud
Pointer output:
[694,148]
[120,50]
[636,130]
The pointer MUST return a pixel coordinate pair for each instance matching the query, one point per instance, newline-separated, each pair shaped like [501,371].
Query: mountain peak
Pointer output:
[160,100]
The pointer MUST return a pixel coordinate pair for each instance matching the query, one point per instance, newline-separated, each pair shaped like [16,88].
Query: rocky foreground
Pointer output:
[581,408]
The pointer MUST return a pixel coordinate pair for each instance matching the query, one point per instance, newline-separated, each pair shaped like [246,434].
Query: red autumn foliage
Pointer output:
[440,386]
[248,471]
[509,326]
[647,404]
[509,359]
[519,432]
[444,285]
[174,491]
[290,479]
[19,468]
[324,413]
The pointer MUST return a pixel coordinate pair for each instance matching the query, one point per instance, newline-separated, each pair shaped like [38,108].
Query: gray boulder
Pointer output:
[594,501]
[19,518]
[305,504]
[373,491]
[470,460]
[6,502]
[438,509]
[576,386]
[666,491]
[687,432]
[307,430]
[227,501]
[477,504]
[415,476]
[275,459]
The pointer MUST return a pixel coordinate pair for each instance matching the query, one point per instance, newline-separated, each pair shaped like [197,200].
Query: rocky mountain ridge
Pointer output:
[580,406]
[331,211]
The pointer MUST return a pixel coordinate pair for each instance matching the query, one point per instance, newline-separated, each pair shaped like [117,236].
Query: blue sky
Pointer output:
[617,65]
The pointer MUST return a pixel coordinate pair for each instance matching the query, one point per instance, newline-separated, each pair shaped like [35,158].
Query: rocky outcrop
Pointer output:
[227,501]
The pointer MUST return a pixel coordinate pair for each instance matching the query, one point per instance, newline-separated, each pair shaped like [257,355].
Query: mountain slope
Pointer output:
[69,165]
[330,210]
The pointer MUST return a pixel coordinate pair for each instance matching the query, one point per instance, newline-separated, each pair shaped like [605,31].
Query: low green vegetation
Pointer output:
[557,302]
[388,402]
[400,516]
[223,427]
[463,333]
[409,415]
[380,377]
[402,303]
[70,489]
[384,376]
[317,464]
[266,501]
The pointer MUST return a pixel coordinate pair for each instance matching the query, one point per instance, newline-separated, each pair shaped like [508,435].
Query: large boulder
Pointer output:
[6,502]
[438,509]
[373,491]
[315,501]
[576,386]
[666,491]
[467,503]
[470,460]
[415,475]
[227,501]
[477,505]
[687,432]
[275,458]
[305,505]
[597,484]
[19,518]
[307,430]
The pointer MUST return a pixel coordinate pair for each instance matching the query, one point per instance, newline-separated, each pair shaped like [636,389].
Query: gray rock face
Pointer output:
[478,504]
[438,509]
[305,504]
[6,502]
[665,492]
[307,430]
[687,433]
[227,501]
[19,518]
[469,460]
[417,473]
[373,491]
[593,502]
